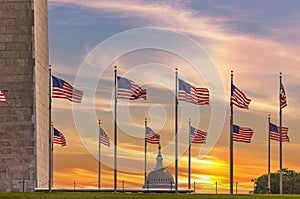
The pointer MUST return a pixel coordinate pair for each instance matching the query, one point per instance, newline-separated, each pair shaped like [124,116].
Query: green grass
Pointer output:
[90,195]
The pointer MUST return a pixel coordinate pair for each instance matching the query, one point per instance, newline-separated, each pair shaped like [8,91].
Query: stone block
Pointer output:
[7,22]
[5,143]
[22,14]
[2,13]
[18,30]
[15,63]
[4,111]
[2,46]
[22,86]
[21,38]
[6,38]
[16,46]
[23,22]
[11,14]
[25,54]
[5,160]
[2,29]
[2,62]
[25,5]
[9,54]
[21,110]
[25,69]
[7,78]
[5,150]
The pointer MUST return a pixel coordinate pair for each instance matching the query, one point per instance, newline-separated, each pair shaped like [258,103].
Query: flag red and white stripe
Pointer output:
[283,101]
[129,90]
[104,139]
[275,133]
[2,97]
[242,134]
[59,138]
[239,99]
[151,136]
[197,136]
[63,90]
[191,94]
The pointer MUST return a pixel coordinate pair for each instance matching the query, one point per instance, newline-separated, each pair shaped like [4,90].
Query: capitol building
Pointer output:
[159,178]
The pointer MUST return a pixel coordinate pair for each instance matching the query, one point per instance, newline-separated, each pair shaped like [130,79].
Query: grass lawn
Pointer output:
[90,195]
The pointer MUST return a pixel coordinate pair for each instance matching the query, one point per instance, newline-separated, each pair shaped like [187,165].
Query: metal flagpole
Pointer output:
[269,156]
[176,130]
[115,134]
[231,137]
[145,166]
[50,183]
[189,169]
[99,157]
[280,143]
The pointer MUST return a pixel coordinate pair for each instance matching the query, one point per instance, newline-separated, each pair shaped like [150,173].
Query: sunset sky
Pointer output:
[205,40]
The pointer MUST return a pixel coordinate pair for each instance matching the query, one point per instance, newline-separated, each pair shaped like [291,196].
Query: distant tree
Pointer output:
[291,183]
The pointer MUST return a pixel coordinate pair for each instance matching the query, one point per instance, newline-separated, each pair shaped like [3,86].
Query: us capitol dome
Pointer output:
[159,178]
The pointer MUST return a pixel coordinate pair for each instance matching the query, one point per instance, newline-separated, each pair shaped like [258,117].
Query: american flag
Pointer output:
[197,136]
[59,138]
[275,133]
[242,134]
[239,99]
[63,90]
[129,90]
[283,102]
[2,97]
[151,136]
[189,93]
[104,139]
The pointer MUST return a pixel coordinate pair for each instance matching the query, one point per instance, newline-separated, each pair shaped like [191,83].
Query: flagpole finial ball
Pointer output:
[280,73]
[115,67]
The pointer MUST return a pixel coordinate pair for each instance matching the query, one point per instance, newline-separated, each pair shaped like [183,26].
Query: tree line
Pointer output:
[291,183]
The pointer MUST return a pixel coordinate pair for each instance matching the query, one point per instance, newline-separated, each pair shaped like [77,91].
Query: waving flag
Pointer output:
[189,93]
[2,97]
[63,90]
[239,99]
[242,134]
[197,136]
[275,133]
[129,90]
[59,138]
[151,136]
[104,139]
[283,102]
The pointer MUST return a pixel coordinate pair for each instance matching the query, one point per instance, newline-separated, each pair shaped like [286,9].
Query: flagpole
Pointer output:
[145,166]
[231,137]
[176,130]
[280,143]
[269,156]
[50,183]
[115,134]
[99,157]
[189,169]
